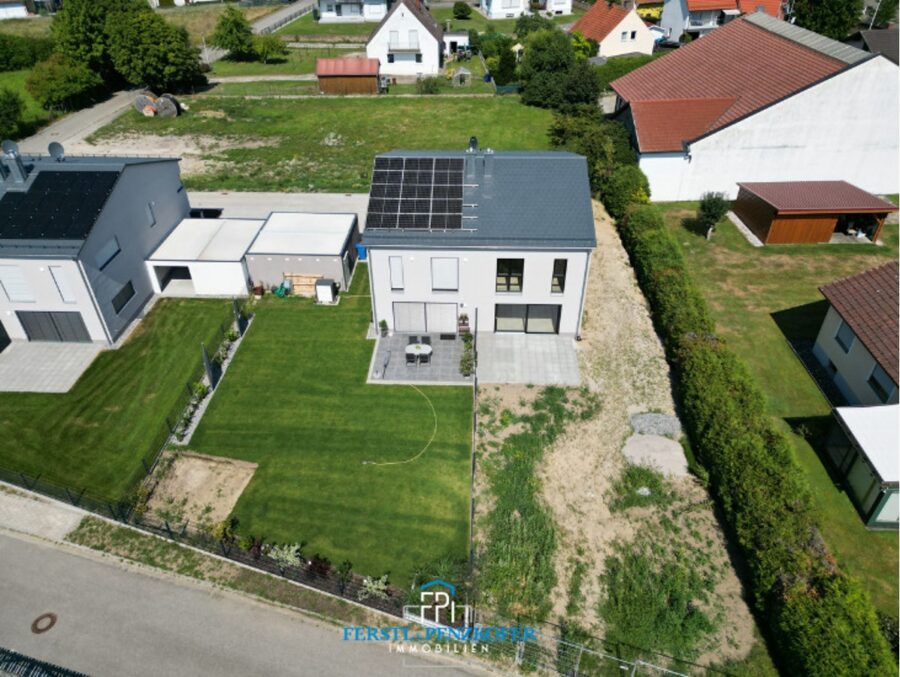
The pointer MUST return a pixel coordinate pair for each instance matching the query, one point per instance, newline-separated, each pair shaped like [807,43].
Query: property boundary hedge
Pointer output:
[820,620]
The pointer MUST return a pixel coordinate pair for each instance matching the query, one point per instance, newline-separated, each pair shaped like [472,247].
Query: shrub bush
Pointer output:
[60,84]
[713,208]
[428,85]
[819,619]
[11,109]
[19,52]
[623,186]
[461,10]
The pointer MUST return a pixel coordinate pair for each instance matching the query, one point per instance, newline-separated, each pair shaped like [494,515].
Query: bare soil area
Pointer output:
[622,360]
[199,488]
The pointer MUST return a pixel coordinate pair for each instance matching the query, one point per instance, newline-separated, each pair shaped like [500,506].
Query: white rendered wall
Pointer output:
[372,10]
[13,12]
[210,278]
[477,283]
[845,128]
[47,297]
[853,367]
[403,21]
[613,45]
[674,17]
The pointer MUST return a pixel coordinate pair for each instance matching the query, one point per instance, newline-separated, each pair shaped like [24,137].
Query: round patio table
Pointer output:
[418,349]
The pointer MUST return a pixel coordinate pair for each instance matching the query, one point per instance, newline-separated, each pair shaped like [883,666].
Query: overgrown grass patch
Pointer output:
[33,116]
[297,62]
[640,486]
[307,25]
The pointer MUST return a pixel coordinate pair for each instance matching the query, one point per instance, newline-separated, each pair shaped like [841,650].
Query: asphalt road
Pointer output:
[124,621]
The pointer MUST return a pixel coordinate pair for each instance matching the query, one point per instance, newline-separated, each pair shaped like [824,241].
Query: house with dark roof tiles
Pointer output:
[762,100]
[74,236]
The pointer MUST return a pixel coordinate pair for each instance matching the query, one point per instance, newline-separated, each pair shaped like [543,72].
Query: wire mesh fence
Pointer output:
[14,663]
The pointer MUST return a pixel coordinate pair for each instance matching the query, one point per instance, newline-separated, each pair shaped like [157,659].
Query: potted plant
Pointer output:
[383,327]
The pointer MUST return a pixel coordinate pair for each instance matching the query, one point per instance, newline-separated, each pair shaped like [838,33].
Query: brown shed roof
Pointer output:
[818,196]
[346,66]
[870,304]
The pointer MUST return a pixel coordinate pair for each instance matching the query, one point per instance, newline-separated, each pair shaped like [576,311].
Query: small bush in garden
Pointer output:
[286,555]
[461,10]
[199,390]
[713,208]
[344,574]
[374,588]
[624,186]
[467,362]
[320,565]
[428,85]
[640,486]
[269,47]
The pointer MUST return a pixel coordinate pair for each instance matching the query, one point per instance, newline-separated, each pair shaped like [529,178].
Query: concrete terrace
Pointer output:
[389,362]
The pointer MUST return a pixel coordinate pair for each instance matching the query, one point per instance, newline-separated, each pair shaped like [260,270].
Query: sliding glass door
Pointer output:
[527,318]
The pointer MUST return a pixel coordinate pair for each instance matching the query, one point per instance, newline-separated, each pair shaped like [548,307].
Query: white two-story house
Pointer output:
[408,42]
[699,17]
[857,344]
[74,235]
[350,11]
[509,9]
[502,238]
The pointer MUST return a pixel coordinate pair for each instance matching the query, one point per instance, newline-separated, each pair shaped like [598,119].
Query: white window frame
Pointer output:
[885,383]
[444,274]
[395,267]
[624,36]
[61,280]
[837,337]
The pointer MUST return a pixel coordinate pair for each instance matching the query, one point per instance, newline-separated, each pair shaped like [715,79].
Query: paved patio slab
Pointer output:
[44,367]
[389,362]
[527,358]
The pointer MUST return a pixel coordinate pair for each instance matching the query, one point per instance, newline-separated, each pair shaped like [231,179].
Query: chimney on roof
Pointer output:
[473,144]
[15,168]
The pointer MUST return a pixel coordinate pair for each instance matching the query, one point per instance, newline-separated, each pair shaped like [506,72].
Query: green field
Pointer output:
[34,115]
[295,401]
[35,26]
[94,436]
[758,297]
[328,144]
[482,24]
[306,25]
[265,88]
[298,61]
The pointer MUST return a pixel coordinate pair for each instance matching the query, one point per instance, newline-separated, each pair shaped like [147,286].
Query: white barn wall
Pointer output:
[47,298]
[845,128]
[613,45]
[372,10]
[403,21]
[477,283]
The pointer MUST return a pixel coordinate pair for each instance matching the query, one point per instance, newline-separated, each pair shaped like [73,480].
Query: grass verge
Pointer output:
[306,25]
[297,62]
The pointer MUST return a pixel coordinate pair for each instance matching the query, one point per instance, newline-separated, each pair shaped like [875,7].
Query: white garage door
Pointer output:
[409,317]
[441,318]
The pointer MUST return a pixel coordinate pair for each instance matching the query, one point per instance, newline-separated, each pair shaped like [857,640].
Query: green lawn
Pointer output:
[477,84]
[298,61]
[306,25]
[482,24]
[34,115]
[328,144]
[200,20]
[745,286]
[295,401]
[94,436]
[265,88]
[38,26]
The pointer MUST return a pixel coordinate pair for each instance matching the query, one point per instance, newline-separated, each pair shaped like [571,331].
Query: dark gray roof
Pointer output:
[885,42]
[530,200]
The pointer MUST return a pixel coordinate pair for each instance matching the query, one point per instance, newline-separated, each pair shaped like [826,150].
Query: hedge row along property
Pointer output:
[819,618]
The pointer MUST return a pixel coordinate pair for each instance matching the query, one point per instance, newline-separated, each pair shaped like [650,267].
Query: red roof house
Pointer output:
[616,29]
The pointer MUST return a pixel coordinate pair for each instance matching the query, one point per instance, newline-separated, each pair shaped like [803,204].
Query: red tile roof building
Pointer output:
[346,67]
[617,30]
[600,20]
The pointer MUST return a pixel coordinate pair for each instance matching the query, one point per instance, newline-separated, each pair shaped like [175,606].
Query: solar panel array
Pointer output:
[420,193]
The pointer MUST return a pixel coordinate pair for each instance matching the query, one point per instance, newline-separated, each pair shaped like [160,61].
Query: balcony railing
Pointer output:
[396,46]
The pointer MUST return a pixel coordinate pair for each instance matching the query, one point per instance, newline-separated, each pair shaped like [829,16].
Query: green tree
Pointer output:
[146,50]
[79,30]
[269,47]
[461,10]
[505,70]
[713,208]
[493,44]
[624,186]
[546,51]
[11,109]
[584,48]
[233,34]
[580,84]
[886,12]
[605,143]
[59,83]
[835,19]
[531,23]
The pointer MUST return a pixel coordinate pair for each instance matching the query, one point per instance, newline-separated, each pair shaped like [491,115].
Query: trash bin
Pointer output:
[361,252]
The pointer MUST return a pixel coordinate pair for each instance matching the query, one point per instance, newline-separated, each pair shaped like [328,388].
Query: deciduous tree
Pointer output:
[234,34]
[11,109]
[59,83]
[833,18]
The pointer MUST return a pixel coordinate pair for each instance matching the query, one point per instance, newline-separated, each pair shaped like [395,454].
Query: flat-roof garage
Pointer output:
[204,257]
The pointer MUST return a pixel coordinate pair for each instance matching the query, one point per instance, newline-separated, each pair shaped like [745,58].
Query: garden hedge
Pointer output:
[820,620]
[18,52]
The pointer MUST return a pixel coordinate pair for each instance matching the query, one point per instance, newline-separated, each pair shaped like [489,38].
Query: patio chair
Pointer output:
[413,340]
[424,359]
[426,340]
[410,360]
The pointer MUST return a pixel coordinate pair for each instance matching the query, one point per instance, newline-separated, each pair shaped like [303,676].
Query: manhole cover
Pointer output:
[43,623]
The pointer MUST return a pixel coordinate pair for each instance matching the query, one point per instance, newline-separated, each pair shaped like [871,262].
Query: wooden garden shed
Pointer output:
[792,212]
[347,75]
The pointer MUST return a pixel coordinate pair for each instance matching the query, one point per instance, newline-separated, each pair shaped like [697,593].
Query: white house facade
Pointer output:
[334,11]
[13,10]
[408,42]
[616,30]
[841,126]
[510,248]
[510,9]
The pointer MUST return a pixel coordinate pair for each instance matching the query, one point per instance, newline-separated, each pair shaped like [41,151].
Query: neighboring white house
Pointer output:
[74,236]
[727,108]
[349,11]
[699,17]
[504,238]
[509,9]
[408,41]
[455,41]
[617,30]
[857,344]
[13,9]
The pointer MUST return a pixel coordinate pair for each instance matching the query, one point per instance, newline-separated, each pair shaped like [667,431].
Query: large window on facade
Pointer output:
[510,274]
[120,300]
[62,284]
[396,265]
[444,274]
[558,283]
[881,384]
[107,253]
[844,336]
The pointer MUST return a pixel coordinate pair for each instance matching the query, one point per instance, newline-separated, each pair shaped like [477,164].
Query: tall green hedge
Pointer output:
[19,52]
[820,620]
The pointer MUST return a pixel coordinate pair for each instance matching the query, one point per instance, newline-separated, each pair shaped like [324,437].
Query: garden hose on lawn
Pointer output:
[428,444]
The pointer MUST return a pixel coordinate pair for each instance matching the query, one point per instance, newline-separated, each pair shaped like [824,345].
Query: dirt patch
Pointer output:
[198,488]
[193,149]
[622,360]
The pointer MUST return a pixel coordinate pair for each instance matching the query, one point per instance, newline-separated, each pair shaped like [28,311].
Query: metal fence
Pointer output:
[14,663]
[286,19]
